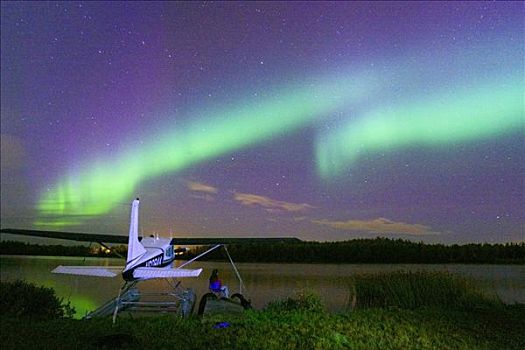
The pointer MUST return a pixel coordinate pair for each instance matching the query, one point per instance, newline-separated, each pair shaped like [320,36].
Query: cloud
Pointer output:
[379,225]
[200,187]
[271,205]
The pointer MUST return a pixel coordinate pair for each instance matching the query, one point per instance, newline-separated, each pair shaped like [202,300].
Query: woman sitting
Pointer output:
[216,285]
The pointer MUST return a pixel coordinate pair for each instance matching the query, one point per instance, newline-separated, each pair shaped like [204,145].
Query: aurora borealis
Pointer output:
[94,191]
[482,112]
[325,121]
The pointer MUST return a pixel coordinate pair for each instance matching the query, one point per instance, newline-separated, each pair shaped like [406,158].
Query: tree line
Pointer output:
[22,248]
[378,250]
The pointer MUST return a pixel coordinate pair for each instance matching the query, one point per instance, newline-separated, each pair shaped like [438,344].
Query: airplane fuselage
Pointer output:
[159,253]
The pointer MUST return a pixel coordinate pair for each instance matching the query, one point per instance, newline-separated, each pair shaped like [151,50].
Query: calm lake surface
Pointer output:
[263,282]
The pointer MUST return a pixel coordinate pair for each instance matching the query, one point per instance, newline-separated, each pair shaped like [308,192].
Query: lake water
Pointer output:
[263,282]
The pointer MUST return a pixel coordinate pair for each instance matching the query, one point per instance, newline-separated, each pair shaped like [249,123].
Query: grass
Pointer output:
[412,290]
[361,329]
[305,301]
[300,323]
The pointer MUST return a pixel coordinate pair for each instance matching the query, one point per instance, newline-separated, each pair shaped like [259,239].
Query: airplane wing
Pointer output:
[73,236]
[89,270]
[139,272]
[108,238]
[156,272]
[229,240]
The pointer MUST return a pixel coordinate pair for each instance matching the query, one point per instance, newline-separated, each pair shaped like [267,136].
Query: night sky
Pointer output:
[323,121]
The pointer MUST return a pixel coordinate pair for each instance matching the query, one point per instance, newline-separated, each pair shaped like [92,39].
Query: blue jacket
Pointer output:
[216,285]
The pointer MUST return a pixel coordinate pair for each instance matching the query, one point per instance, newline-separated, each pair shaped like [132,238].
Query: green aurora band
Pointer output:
[462,115]
[103,183]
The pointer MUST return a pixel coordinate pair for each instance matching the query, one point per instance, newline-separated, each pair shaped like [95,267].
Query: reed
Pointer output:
[304,300]
[412,290]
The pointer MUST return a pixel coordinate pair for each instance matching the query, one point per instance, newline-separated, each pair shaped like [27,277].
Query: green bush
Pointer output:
[25,300]
[411,290]
[304,301]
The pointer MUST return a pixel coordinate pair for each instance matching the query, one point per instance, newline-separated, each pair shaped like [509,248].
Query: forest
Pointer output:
[22,248]
[378,250]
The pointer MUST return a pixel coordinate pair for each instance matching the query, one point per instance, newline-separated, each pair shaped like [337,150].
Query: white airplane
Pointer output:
[148,257]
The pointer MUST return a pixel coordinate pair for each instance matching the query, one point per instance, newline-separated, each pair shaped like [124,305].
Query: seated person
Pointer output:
[216,285]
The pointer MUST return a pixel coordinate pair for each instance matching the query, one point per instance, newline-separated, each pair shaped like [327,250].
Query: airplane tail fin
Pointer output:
[135,248]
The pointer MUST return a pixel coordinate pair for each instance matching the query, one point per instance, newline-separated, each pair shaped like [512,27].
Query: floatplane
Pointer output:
[147,258]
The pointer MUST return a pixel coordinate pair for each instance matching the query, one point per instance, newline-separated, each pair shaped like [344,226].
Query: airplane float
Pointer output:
[147,258]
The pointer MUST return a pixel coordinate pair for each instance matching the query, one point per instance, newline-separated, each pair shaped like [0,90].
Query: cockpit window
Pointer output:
[169,252]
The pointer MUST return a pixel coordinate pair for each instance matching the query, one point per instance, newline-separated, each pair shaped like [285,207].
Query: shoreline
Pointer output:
[513,263]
